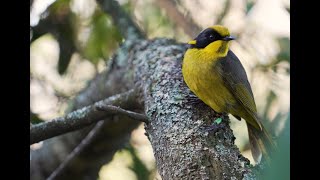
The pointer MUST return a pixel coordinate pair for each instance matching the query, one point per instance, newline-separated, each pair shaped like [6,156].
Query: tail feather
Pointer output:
[262,145]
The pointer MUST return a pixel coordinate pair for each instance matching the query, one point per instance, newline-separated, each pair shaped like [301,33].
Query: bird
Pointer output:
[216,76]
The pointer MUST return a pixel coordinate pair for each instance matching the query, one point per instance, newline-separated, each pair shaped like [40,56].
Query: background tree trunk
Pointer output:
[114,135]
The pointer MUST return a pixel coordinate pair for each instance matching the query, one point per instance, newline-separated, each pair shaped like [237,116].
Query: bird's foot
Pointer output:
[216,125]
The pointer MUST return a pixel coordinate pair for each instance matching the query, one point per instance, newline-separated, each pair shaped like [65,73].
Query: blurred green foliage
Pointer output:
[34,119]
[274,123]
[128,7]
[155,22]
[284,54]
[280,166]
[250,4]
[64,25]
[138,166]
[103,39]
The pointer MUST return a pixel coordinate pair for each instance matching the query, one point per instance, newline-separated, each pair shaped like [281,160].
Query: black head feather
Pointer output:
[206,37]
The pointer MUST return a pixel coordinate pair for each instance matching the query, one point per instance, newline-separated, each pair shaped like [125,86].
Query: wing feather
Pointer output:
[235,78]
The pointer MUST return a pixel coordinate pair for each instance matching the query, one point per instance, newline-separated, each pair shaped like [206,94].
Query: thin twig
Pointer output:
[115,109]
[126,25]
[84,143]
[83,117]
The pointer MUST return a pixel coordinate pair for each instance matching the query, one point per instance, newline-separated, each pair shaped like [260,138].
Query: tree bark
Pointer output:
[83,117]
[183,147]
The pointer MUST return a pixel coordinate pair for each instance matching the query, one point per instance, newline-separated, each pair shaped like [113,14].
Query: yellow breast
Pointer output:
[200,74]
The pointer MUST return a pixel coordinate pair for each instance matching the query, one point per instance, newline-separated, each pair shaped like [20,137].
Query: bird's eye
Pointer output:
[211,37]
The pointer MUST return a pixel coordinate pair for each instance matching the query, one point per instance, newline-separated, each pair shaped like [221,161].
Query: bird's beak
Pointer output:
[228,38]
[193,42]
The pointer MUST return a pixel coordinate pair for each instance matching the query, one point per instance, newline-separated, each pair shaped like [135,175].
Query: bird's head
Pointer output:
[215,39]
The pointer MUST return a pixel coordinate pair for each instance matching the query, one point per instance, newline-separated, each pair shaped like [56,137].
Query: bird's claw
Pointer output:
[214,127]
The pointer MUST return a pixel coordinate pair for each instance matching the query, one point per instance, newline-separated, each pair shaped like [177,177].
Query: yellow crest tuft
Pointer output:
[223,31]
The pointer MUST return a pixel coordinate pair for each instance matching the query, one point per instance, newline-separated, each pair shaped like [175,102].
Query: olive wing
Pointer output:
[236,80]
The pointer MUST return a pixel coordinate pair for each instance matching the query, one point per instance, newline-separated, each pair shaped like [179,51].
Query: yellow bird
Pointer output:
[216,76]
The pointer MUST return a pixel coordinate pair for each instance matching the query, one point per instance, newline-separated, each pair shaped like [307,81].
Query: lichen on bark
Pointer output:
[183,147]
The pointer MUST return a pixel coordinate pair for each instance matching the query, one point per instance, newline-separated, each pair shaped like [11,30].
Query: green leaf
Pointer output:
[138,166]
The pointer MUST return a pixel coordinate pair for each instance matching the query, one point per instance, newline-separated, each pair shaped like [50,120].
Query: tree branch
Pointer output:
[116,79]
[117,110]
[126,25]
[85,142]
[82,118]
